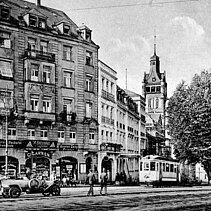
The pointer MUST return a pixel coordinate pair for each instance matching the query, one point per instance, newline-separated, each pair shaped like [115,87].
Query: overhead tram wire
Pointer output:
[151,3]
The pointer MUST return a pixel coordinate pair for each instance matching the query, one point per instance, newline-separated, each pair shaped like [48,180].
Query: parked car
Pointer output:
[13,188]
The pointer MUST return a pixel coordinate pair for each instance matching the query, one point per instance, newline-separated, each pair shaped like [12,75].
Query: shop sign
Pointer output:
[73,147]
[41,144]
[30,154]
[12,144]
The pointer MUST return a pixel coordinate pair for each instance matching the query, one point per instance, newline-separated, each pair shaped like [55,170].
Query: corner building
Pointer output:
[48,76]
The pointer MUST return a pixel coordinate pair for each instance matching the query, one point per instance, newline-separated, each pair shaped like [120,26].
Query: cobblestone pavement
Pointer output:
[119,198]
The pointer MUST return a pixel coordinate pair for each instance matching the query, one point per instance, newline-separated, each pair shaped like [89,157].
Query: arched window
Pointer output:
[157,103]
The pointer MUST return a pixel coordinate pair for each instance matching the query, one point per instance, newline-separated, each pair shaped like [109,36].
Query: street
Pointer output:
[118,198]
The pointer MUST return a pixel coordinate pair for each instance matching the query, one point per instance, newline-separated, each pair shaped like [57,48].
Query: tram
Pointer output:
[159,171]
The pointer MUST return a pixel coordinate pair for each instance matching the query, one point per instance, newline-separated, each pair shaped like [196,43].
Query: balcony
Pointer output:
[108,96]
[35,54]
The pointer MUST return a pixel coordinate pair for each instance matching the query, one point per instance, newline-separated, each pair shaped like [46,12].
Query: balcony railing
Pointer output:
[108,96]
[40,55]
[107,120]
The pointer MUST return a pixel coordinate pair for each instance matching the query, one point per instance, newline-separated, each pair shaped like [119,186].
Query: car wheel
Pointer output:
[14,192]
[5,195]
[56,190]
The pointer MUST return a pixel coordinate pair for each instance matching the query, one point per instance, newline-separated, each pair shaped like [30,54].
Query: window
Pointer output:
[171,168]
[152,166]
[89,58]
[149,103]
[66,29]
[46,74]
[164,167]
[147,89]
[32,21]
[67,105]
[88,83]
[158,89]
[31,43]
[34,103]
[167,167]
[91,138]
[88,110]
[47,105]
[34,72]
[3,95]
[5,13]
[61,136]
[73,137]
[67,53]
[5,41]
[44,134]
[67,79]
[146,166]
[6,69]
[11,132]
[42,23]
[141,166]
[44,46]
[152,89]
[156,102]
[31,133]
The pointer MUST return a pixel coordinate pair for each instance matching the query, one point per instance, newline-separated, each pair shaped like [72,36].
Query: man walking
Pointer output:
[103,181]
[91,180]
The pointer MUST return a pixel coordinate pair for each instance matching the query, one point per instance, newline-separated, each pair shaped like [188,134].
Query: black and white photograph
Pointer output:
[105,105]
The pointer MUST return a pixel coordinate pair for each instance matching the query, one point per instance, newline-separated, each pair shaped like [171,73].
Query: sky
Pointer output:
[125,35]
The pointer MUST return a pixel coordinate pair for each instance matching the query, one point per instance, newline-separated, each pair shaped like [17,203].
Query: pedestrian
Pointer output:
[103,181]
[90,180]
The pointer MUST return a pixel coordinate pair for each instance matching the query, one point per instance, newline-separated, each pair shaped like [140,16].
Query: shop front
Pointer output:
[38,155]
[66,167]
[13,166]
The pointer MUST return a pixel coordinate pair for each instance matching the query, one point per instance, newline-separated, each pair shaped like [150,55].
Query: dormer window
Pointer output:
[66,29]
[88,36]
[35,21]
[5,13]
[32,21]
[42,23]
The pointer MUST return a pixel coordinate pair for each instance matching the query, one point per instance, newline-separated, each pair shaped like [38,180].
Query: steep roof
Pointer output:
[21,7]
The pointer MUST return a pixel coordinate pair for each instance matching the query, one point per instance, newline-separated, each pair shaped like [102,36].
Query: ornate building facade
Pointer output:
[154,89]
[48,76]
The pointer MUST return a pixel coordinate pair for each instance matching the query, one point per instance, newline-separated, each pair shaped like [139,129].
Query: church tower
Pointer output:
[154,89]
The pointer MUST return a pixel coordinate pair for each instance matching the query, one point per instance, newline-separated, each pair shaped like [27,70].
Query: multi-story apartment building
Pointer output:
[128,134]
[140,101]
[48,75]
[109,145]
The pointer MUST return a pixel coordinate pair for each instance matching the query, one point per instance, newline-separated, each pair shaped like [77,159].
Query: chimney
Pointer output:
[38,3]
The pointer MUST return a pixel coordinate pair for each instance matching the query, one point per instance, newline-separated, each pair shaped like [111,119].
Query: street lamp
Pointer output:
[6,106]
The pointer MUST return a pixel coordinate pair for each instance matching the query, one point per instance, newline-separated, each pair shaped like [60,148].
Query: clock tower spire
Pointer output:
[154,88]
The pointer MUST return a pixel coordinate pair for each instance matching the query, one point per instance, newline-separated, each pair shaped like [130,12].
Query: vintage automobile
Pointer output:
[13,188]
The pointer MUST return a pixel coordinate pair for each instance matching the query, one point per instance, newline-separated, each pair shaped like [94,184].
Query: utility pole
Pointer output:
[6,133]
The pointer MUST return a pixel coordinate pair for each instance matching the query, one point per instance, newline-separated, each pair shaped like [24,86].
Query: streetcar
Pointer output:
[159,171]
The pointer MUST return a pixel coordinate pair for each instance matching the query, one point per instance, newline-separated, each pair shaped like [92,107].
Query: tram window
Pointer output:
[167,167]
[171,168]
[175,168]
[141,166]
[152,166]
[146,166]
[164,167]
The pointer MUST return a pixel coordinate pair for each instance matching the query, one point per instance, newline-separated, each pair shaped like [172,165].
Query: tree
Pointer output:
[189,123]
